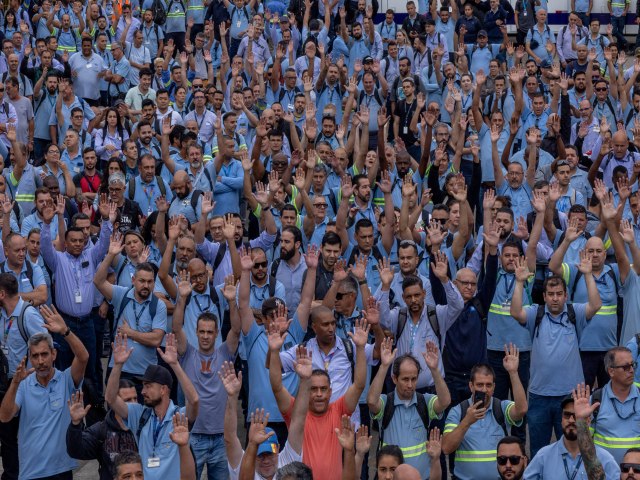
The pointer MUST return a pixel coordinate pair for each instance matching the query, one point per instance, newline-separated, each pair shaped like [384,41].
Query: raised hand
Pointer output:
[522,270]
[539,202]
[275,337]
[440,265]
[431,355]
[387,352]
[511,359]
[54,322]
[232,383]
[363,440]
[245,259]
[303,365]
[180,434]
[77,410]
[120,350]
[372,312]
[434,445]
[627,232]
[581,405]
[184,284]
[116,244]
[259,421]
[489,199]
[491,235]
[261,196]
[585,266]
[385,184]
[386,272]
[162,205]
[360,334]
[359,268]
[229,228]
[312,256]
[170,354]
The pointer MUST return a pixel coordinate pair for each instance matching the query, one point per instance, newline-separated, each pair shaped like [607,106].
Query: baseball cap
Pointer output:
[482,33]
[284,18]
[368,58]
[270,445]
[545,64]
[566,400]
[158,374]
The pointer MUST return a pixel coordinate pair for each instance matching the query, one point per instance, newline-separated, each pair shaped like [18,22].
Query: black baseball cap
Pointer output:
[158,374]
[566,400]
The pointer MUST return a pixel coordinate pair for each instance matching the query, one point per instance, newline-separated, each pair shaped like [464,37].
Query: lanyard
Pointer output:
[206,309]
[509,286]
[414,330]
[136,315]
[326,359]
[157,428]
[575,470]
[195,115]
[8,328]
[76,273]
[409,111]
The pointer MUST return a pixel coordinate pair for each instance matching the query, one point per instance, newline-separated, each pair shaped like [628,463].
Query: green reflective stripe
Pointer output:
[449,427]
[13,180]
[25,197]
[175,14]
[378,201]
[508,413]
[566,273]
[195,7]
[607,310]
[476,455]
[431,410]
[257,211]
[413,451]
[67,49]
[499,309]
[611,442]
[607,244]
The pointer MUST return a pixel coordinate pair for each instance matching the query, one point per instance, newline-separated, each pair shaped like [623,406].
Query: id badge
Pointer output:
[238,23]
[149,211]
[76,169]
[5,350]
[78,297]
[596,128]
[525,13]
[506,304]
[153,462]
[89,65]
[405,131]
[290,107]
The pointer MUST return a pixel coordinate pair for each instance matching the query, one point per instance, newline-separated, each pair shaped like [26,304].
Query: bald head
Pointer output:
[620,136]
[180,176]
[406,472]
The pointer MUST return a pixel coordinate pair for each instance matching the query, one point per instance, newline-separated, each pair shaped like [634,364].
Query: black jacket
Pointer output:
[102,441]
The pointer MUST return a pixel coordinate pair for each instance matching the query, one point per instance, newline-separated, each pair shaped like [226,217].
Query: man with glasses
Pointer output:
[511,458]
[564,457]
[129,213]
[204,118]
[616,423]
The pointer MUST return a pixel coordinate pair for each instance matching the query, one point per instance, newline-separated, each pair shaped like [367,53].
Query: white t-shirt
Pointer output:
[285,457]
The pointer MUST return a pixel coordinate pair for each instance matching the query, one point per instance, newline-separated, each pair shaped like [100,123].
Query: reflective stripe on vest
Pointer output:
[476,455]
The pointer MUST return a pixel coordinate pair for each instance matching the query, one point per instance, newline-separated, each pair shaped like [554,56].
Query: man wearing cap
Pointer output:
[564,457]
[153,419]
[482,53]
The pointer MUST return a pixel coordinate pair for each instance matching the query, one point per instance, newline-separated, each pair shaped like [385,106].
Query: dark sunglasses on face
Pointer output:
[634,467]
[512,459]
[340,295]
[261,264]
[601,89]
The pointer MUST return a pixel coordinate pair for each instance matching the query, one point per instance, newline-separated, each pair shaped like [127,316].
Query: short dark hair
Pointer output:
[294,471]
[145,267]
[207,317]
[363,223]
[390,451]
[317,372]
[411,281]
[482,368]
[295,231]
[331,238]
[9,284]
[512,440]
[127,457]
[124,383]
[554,281]
[73,229]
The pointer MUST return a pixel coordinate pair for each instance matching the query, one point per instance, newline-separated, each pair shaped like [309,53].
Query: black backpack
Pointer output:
[161,186]
[29,268]
[153,306]
[496,409]
[5,381]
[433,321]
[389,409]
[194,202]
[571,315]
[159,13]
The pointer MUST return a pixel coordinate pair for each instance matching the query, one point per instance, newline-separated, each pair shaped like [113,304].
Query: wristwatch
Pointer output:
[362,282]
[67,333]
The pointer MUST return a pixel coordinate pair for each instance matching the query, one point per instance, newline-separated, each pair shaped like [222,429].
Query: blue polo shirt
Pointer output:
[162,447]
[26,284]
[44,418]
[502,328]
[199,303]
[182,206]
[553,461]
[13,341]
[147,193]
[555,343]
[520,197]
[406,430]
[138,318]
[257,349]
[476,455]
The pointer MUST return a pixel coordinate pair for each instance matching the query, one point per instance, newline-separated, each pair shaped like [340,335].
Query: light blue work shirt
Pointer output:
[182,206]
[228,188]
[11,337]
[161,447]
[502,328]
[44,418]
[554,461]
[147,193]
[138,318]
[26,284]
[257,349]
[555,342]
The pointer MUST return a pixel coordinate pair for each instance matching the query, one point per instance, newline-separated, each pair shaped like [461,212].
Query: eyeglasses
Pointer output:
[634,467]
[197,87]
[601,89]
[467,284]
[627,368]
[260,264]
[320,205]
[115,189]
[53,152]
[199,276]
[568,415]
[1,90]
[512,459]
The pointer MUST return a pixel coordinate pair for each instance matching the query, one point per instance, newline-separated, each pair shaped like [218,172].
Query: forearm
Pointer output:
[148,339]
[8,406]
[452,440]
[516,303]
[248,465]
[375,389]
[592,464]
[190,393]
[187,464]
[519,396]
[113,385]
[444,397]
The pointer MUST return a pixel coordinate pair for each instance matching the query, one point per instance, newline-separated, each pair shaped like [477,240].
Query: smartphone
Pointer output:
[479,397]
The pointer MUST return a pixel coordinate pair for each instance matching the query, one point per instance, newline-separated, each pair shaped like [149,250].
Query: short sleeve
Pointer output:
[383,402]
[507,407]
[159,321]
[38,276]
[287,358]
[453,419]
[431,400]
[20,393]
[118,294]
[134,412]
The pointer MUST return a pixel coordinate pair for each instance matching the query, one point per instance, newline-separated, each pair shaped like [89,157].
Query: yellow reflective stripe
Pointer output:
[566,273]
[175,15]
[449,427]
[25,197]
[13,179]
[430,409]
[257,211]
[607,244]
[195,7]
[499,309]
[607,310]
[508,413]
[476,455]
[624,443]
[412,451]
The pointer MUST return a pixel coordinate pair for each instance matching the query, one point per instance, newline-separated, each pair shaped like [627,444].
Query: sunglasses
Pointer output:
[341,295]
[634,467]
[568,415]
[601,89]
[260,264]
[320,205]
[512,459]
[198,87]
[626,368]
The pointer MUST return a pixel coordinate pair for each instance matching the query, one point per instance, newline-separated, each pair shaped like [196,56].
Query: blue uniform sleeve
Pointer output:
[288,358]
[38,276]
[507,407]
[453,419]
[159,321]
[133,416]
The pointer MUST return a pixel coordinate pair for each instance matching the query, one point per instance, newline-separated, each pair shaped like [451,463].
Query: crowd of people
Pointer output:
[243,239]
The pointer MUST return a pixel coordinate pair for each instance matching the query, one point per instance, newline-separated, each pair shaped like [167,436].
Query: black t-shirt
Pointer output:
[128,216]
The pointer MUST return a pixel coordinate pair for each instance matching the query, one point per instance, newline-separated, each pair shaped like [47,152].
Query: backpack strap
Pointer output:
[433,321]
[402,322]
[498,414]
[21,326]
[144,419]
[333,201]
[477,304]
[121,269]
[274,267]
[423,410]
[272,286]
[596,396]
[387,415]
[348,348]
[123,304]
[539,315]
[222,249]
[208,177]
[195,196]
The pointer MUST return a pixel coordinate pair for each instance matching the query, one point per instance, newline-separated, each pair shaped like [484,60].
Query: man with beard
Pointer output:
[147,143]
[290,267]
[511,458]
[330,252]
[329,90]
[203,177]
[154,419]
[146,188]
[202,360]
[205,118]
[230,177]
[44,104]
[39,394]
[612,154]
[129,213]
[138,315]
[188,201]
[222,258]
[564,456]
[360,188]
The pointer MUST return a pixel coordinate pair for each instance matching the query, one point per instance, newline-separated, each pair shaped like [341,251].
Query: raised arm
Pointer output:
[359,338]
[120,355]
[583,412]
[100,278]
[184,290]
[522,274]
[170,356]
[594,301]
[232,385]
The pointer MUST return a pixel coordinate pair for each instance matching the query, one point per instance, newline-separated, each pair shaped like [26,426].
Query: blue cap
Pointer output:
[270,445]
